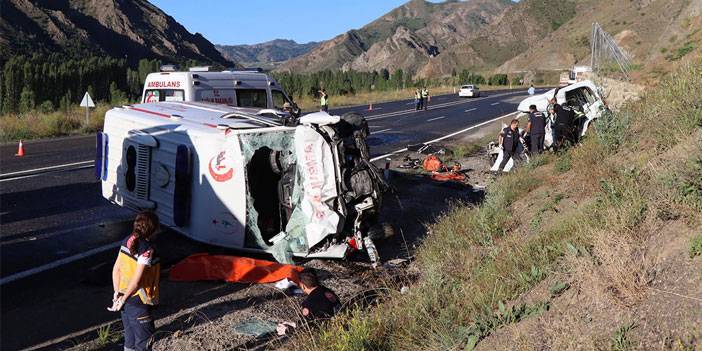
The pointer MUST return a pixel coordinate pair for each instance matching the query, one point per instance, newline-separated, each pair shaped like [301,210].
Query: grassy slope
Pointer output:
[598,206]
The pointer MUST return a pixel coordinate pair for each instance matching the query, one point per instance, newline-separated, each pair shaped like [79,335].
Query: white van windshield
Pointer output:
[279,99]
[157,95]
[251,98]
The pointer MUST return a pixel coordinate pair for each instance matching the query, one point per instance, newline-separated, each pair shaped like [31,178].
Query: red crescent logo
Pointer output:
[219,171]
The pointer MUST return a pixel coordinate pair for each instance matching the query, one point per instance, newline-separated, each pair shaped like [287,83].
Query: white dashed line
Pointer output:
[494,103]
[434,119]
[471,109]
[380,131]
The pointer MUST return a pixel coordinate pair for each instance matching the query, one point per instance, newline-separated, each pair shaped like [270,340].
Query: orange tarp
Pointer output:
[232,269]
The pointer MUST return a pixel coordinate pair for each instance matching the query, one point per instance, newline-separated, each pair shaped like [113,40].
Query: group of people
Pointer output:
[561,118]
[421,99]
[136,286]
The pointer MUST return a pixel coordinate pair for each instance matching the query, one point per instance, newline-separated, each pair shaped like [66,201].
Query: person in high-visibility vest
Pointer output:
[324,100]
[135,279]
[417,100]
[425,98]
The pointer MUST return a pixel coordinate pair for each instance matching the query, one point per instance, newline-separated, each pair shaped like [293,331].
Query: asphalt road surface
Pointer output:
[53,217]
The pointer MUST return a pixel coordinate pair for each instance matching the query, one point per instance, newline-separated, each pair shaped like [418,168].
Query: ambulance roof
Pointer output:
[244,76]
[201,116]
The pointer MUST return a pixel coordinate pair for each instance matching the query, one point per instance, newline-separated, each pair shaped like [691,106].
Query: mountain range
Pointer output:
[132,29]
[265,55]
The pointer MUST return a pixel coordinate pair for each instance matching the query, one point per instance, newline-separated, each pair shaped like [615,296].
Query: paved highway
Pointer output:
[52,216]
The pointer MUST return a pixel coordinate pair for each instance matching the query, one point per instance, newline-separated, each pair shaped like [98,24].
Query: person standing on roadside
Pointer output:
[417,100]
[509,139]
[135,279]
[425,98]
[536,128]
[324,100]
[531,90]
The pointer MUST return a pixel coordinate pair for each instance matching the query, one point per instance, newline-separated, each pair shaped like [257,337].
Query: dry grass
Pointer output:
[475,259]
[36,124]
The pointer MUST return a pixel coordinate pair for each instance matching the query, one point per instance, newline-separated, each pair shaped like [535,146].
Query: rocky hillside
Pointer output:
[409,37]
[265,55]
[133,29]
[655,33]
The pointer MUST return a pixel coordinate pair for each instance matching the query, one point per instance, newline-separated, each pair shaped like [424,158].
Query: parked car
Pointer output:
[469,91]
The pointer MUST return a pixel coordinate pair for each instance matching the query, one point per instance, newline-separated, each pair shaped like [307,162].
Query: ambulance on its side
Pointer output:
[240,88]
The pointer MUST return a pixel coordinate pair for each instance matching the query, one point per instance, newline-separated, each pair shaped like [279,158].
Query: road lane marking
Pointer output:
[445,136]
[57,263]
[45,173]
[410,103]
[434,119]
[42,169]
[494,103]
[471,109]
[380,131]
[445,104]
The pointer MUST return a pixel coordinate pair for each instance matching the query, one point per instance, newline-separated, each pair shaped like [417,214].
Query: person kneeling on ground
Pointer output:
[135,278]
[320,303]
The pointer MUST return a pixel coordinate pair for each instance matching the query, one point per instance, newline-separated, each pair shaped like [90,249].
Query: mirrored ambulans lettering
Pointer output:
[218,96]
[220,167]
[316,182]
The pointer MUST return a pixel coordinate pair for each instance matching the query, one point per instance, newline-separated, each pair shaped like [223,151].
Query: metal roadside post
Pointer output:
[87,102]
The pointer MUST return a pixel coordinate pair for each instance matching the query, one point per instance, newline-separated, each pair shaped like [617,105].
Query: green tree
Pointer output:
[116,96]
[27,100]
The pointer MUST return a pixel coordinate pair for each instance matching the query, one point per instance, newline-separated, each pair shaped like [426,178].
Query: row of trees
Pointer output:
[351,82]
[50,81]
[55,81]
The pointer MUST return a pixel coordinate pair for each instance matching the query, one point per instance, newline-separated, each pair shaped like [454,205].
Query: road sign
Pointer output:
[87,101]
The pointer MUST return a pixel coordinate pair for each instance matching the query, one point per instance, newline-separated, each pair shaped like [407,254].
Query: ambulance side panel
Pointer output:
[216,205]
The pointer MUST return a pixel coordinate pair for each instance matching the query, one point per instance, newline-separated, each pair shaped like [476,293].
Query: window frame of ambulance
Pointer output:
[279,93]
[251,94]
[162,94]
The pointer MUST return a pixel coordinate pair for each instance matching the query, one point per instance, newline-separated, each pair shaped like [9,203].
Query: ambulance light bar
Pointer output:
[200,69]
[168,68]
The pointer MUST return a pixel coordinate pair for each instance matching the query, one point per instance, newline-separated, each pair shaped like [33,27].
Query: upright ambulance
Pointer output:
[241,88]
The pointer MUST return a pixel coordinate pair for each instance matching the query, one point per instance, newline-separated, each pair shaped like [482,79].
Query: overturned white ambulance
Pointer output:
[239,178]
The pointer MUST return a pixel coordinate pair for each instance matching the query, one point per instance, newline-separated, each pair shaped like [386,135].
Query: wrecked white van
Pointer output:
[236,178]
[584,97]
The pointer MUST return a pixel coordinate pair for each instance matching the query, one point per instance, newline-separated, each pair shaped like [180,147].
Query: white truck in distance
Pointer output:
[241,88]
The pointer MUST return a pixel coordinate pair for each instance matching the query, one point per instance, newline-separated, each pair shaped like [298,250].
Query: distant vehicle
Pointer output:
[469,91]
[575,75]
[238,178]
[240,88]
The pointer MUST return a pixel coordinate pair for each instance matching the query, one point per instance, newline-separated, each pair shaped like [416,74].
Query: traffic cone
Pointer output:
[20,149]
[370,107]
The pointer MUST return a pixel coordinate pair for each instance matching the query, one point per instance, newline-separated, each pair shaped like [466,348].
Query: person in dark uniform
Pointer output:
[536,128]
[509,139]
[135,279]
[321,303]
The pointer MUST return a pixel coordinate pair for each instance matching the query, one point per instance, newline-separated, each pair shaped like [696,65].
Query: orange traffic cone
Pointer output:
[370,107]
[20,149]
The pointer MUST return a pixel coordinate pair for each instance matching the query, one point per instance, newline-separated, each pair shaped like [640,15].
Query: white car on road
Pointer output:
[469,91]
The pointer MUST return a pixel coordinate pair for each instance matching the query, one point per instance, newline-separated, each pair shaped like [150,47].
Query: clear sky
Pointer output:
[255,21]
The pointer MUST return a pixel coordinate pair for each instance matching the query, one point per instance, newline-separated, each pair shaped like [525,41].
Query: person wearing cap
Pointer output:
[536,128]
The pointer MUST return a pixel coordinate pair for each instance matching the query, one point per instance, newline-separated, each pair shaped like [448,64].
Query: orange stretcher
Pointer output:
[232,269]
